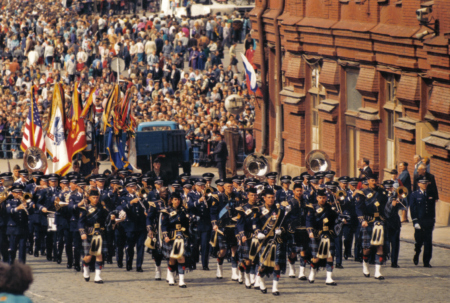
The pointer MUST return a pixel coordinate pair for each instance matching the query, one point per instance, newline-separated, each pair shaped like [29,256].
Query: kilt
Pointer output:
[86,244]
[228,239]
[244,249]
[366,235]
[280,257]
[298,241]
[314,246]
[167,248]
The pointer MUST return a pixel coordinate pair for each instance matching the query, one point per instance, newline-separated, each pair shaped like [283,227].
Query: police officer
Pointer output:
[284,193]
[352,191]
[4,245]
[370,207]
[423,211]
[134,225]
[271,181]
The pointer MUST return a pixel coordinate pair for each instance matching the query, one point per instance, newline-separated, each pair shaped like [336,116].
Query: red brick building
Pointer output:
[355,78]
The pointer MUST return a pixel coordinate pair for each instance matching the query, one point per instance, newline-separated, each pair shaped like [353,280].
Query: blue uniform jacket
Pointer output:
[423,208]
[136,214]
[17,220]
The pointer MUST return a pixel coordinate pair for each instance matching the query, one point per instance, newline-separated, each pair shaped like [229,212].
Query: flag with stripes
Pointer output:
[33,134]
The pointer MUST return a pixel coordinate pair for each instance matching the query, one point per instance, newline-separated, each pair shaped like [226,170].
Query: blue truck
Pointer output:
[163,140]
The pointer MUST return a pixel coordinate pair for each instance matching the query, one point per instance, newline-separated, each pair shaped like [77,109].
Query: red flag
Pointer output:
[76,137]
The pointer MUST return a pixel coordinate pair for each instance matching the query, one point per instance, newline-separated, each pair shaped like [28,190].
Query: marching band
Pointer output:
[261,228]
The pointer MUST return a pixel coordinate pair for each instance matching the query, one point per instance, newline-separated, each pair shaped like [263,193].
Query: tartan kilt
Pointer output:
[298,241]
[86,245]
[244,249]
[314,246]
[167,248]
[366,235]
[228,239]
[280,258]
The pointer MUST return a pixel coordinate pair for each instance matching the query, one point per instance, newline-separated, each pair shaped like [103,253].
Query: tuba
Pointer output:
[402,192]
[317,161]
[256,166]
[34,160]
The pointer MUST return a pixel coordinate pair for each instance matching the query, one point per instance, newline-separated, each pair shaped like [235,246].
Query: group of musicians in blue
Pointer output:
[261,228]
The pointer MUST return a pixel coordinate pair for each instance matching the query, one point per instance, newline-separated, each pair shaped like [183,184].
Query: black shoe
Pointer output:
[193,266]
[379,278]
[99,282]
[331,283]
[395,265]
[30,252]
[416,259]
[36,254]
[58,260]
[256,287]
[345,256]
[311,281]
[139,269]
[248,287]
[43,253]
[54,259]
[49,259]
[149,251]
[367,276]
[303,278]
[183,286]
[219,277]
[69,266]
[277,293]
[205,268]
[129,267]
[358,260]
[119,264]
[109,262]
[241,282]
[264,291]
[339,265]
[87,279]
[77,267]
[428,265]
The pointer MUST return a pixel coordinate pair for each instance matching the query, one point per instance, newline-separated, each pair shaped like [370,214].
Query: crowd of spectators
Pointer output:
[182,68]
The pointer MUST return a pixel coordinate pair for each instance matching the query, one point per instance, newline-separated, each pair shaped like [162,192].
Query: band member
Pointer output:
[223,222]
[23,178]
[423,211]
[92,230]
[62,221]
[270,228]
[49,202]
[119,232]
[208,178]
[75,202]
[245,228]
[393,224]
[154,194]
[272,180]
[336,205]
[196,198]
[154,228]
[370,210]
[135,225]
[298,239]
[107,200]
[17,230]
[41,195]
[202,210]
[310,195]
[305,181]
[175,232]
[284,193]
[352,185]
[34,240]
[348,211]
[320,223]
[4,244]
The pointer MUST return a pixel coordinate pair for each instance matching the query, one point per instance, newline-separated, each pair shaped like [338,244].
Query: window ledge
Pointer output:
[315,90]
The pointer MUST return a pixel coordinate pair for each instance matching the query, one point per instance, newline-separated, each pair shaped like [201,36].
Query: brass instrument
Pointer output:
[143,192]
[208,191]
[341,195]
[402,193]
[256,165]
[34,160]
[3,195]
[317,161]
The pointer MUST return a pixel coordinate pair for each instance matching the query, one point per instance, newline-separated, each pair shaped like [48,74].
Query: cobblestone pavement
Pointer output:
[55,283]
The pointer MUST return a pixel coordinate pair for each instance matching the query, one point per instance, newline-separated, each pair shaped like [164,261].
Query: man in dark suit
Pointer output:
[422,172]
[423,212]
[174,77]
[220,155]
[366,171]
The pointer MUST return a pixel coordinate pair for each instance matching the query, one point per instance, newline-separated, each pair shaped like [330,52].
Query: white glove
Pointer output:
[288,208]
[261,236]
[417,226]
[278,231]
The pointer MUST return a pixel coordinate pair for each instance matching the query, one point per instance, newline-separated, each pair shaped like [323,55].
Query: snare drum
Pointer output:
[51,222]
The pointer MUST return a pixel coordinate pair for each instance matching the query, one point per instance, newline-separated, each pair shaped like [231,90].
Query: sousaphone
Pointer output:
[317,161]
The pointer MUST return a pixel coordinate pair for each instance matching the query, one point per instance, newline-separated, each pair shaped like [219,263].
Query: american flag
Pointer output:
[33,134]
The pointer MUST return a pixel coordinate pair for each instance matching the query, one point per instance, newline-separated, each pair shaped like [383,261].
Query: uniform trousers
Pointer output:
[135,238]
[20,242]
[424,237]
[393,243]
[76,247]
[4,244]
[34,236]
[204,237]
[120,240]
[64,238]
